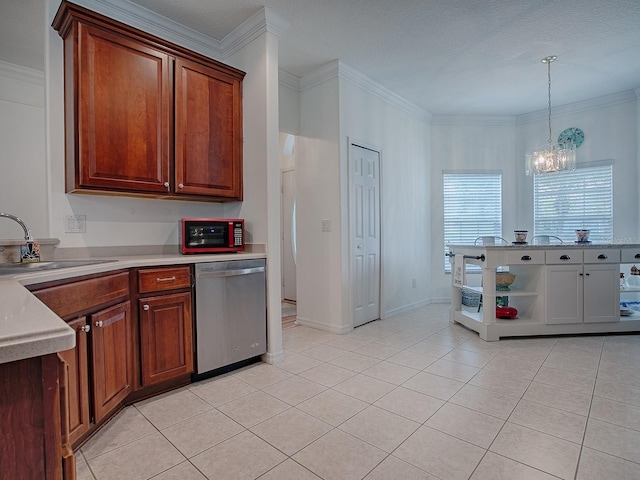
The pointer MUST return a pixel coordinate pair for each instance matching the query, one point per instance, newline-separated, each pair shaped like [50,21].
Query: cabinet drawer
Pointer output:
[630,255]
[563,257]
[81,296]
[606,255]
[160,279]
[525,257]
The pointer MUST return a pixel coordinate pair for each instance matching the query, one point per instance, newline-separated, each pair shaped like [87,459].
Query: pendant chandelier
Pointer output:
[551,157]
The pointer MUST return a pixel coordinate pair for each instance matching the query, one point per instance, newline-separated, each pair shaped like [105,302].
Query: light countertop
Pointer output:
[546,246]
[29,329]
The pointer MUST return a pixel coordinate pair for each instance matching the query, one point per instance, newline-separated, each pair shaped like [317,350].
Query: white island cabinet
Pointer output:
[558,289]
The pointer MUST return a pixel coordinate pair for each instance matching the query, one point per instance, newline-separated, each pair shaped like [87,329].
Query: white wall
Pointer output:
[289,102]
[470,144]
[318,264]
[23,183]
[334,111]
[405,202]
[610,125]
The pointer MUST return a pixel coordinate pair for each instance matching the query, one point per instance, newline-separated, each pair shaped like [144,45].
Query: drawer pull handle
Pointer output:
[168,279]
[602,256]
[565,257]
[525,258]
[637,255]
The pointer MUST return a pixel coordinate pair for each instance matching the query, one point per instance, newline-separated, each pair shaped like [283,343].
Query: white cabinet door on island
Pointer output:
[574,289]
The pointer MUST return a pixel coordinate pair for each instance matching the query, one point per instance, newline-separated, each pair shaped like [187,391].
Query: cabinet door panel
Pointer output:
[208,116]
[601,293]
[564,294]
[123,111]
[77,388]
[166,337]
[111,353]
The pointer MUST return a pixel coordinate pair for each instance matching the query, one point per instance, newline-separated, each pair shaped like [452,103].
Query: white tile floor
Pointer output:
[412,397]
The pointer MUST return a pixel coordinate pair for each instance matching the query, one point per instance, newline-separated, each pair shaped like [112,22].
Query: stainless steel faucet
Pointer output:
[27,232]
[31,251]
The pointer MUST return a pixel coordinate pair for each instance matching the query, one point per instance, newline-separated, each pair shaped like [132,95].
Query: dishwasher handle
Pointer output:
[229,273]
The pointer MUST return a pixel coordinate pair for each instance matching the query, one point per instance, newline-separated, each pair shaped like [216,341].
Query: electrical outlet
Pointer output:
[75,223]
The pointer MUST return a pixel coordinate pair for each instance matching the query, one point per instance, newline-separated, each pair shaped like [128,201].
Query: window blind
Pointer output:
[580,199]
[472,207]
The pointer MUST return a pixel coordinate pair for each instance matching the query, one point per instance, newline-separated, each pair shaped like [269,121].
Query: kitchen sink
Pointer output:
[18,268]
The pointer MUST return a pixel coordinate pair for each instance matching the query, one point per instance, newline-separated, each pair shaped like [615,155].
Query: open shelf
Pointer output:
[502,293]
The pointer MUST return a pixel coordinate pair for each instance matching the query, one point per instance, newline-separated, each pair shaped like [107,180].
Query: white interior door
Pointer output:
[288,236]
[364,215]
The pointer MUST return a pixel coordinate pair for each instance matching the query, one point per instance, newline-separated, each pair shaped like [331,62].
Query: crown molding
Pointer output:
[22,74]
[339,69]
[470,120]
[264,20]
[144,19]
[583,106]
[288,80]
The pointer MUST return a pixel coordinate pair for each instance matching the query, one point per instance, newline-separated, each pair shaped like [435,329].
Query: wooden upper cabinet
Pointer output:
[123,114]
[147,117]
[208,114]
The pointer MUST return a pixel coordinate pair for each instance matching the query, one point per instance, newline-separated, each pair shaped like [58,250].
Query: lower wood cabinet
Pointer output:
[76,388]
[165,321]
[30,429]
[134,339]
[165,337]
[111,358]
[99,369]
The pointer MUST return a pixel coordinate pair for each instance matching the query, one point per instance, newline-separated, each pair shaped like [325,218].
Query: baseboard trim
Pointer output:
[323,326]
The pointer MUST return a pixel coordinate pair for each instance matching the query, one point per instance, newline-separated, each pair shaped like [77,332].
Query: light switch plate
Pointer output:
[75,223]
[326,225]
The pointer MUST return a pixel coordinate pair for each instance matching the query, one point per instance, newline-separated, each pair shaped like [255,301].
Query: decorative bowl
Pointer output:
[504,280]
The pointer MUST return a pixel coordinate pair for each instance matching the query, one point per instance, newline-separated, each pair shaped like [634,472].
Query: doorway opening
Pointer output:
[288,229]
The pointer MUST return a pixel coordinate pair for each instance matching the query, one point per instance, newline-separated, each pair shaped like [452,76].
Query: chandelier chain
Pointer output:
[549,97]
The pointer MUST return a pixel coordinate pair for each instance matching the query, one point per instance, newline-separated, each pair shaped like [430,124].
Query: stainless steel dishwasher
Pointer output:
[231,313]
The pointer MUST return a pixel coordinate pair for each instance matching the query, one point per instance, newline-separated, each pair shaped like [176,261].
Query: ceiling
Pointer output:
[458,57]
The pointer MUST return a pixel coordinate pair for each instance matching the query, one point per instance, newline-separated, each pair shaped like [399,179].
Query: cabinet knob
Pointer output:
[85,328]
[180,185]
[166,184]
[145,307]
[602,256]
[565,257]
[99,323]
